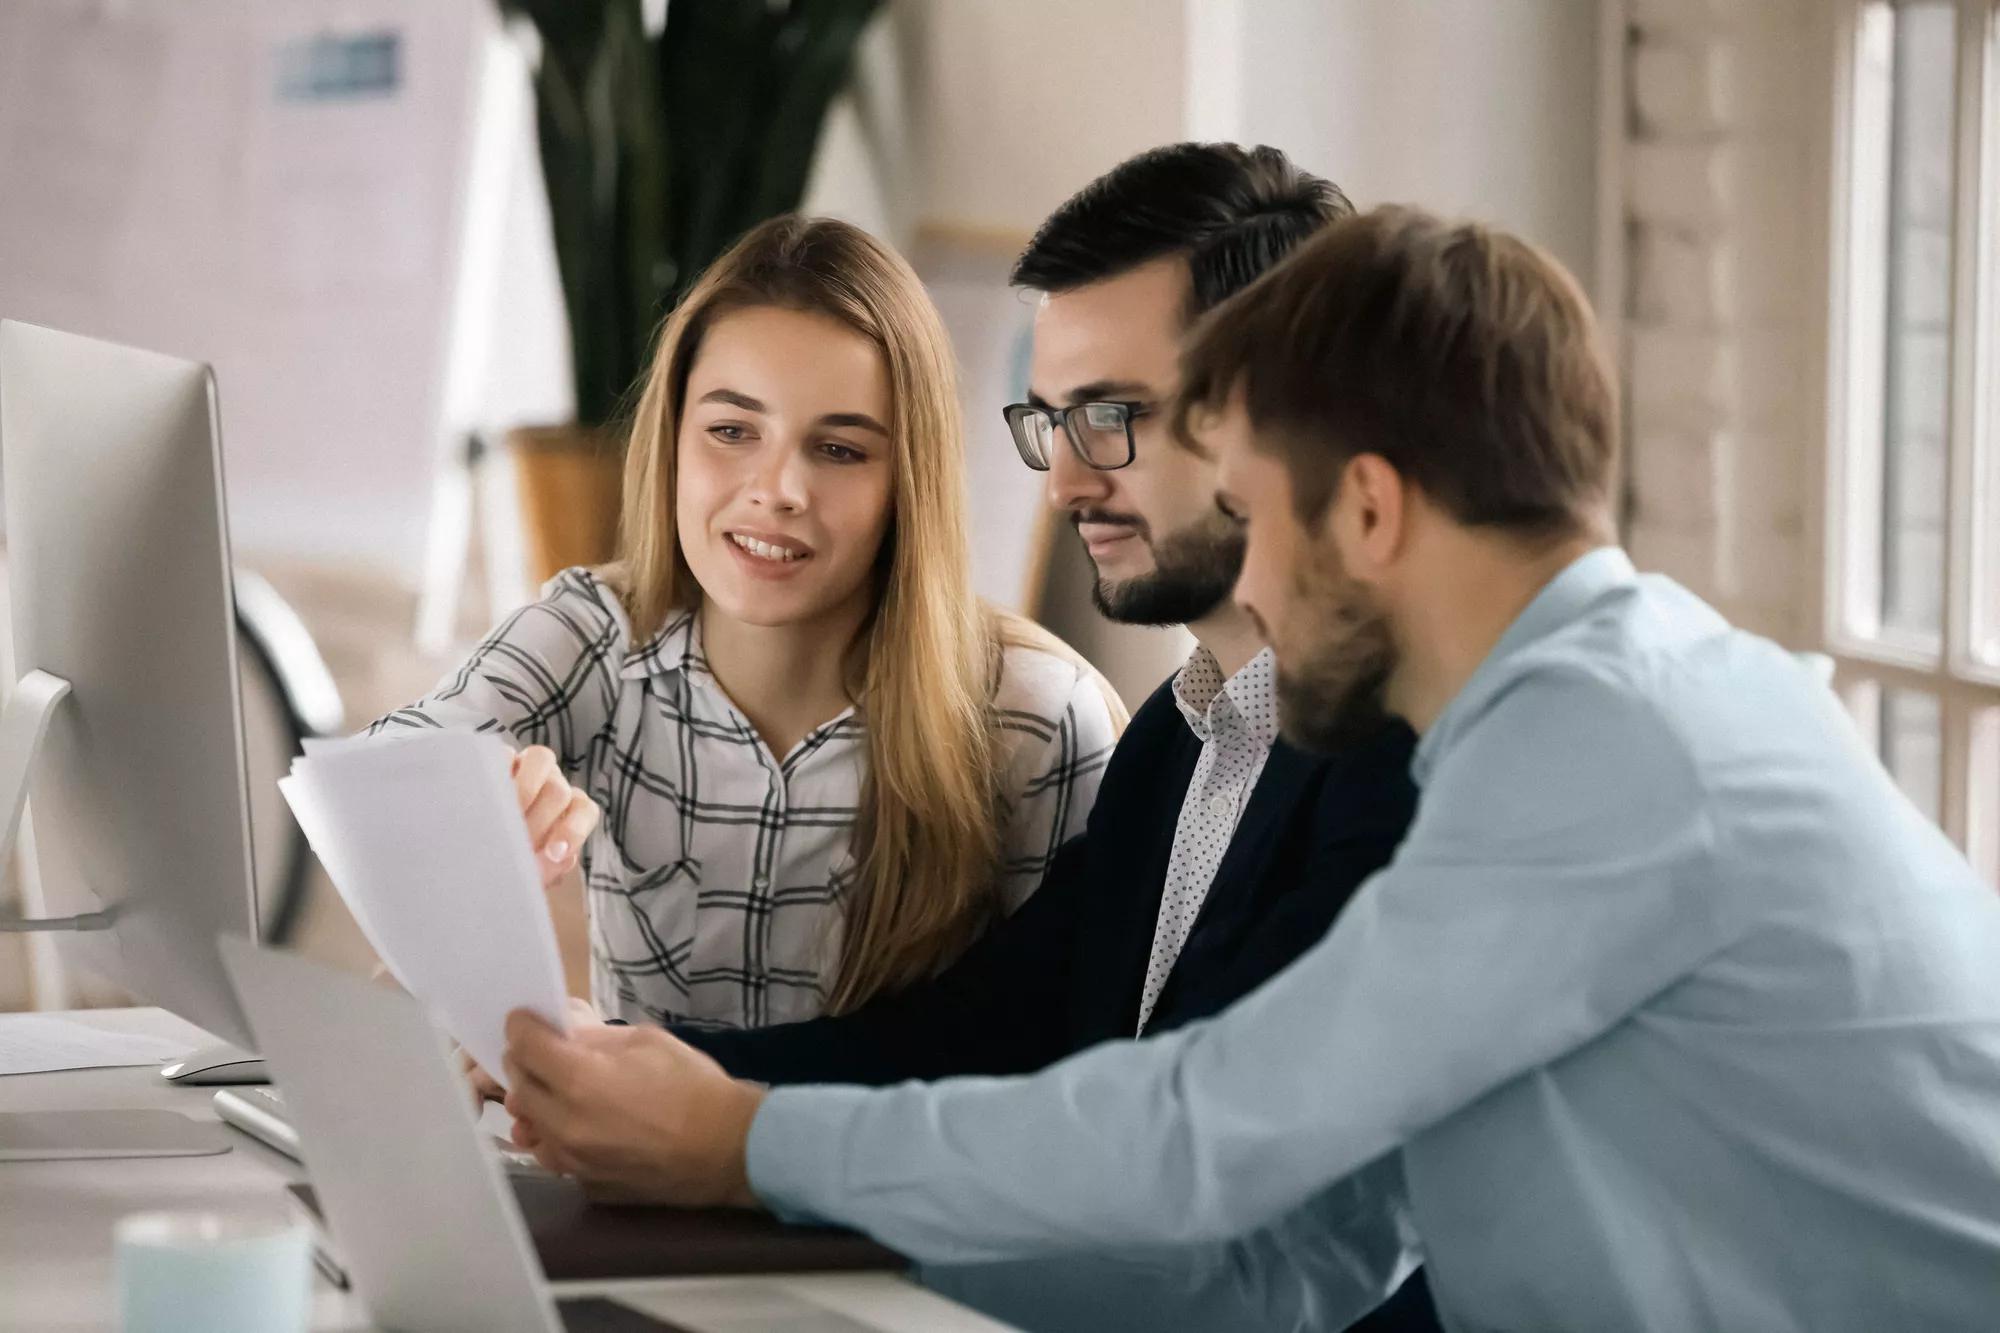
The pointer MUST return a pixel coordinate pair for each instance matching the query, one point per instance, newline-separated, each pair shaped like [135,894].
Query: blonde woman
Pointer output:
[822,765]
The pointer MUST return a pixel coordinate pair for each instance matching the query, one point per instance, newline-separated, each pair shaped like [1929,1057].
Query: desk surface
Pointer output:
[56,1218]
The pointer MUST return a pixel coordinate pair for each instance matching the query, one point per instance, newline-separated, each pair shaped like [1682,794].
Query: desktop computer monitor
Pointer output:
[118,575]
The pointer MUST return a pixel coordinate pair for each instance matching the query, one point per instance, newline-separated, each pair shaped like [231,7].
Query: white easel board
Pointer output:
[273,186]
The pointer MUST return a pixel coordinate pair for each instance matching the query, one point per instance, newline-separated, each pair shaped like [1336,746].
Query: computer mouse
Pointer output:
[216,1064]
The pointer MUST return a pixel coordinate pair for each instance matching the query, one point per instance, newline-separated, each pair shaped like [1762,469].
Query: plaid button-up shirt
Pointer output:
[717,875]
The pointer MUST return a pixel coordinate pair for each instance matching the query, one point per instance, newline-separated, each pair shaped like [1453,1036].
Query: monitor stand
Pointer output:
[24,721]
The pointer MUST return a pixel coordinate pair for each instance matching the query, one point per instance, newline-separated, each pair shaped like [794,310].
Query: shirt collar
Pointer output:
[676,648]
[1562,599]
[1210,703]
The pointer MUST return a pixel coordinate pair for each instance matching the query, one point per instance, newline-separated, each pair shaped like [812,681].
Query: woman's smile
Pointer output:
[767,555]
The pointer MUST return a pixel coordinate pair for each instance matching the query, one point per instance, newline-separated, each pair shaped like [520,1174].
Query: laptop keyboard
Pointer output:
[259,1111]
[595,1314]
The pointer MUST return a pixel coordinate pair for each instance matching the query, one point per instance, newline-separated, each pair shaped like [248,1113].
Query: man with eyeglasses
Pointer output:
[1215,854]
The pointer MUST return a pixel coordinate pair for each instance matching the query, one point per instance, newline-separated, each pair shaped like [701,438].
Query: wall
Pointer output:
[1726,212]
[1019,103]
[1015,106]
[1463,106]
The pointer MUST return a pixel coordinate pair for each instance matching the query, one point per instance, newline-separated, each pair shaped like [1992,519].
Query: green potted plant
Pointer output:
[657,153]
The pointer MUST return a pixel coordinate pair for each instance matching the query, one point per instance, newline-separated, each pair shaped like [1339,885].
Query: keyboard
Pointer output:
[260,1113]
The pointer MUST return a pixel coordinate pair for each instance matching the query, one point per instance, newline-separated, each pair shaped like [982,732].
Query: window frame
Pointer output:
[1868,658]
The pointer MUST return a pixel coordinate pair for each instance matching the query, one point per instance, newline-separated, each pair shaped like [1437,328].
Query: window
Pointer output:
[1912,595]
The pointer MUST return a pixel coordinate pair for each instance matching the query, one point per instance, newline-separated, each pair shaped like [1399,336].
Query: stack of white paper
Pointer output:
[422,834]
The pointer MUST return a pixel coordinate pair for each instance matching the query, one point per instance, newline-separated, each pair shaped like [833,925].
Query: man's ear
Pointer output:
[1370,515]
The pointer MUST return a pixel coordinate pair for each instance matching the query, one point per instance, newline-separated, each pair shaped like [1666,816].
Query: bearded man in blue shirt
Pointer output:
[1671,1012]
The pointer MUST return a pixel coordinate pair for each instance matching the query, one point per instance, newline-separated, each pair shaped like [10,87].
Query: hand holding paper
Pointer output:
[423,836]
[559,817]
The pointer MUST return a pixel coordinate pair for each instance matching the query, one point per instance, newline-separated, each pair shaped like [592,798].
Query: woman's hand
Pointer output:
[485,1088]
[559,816]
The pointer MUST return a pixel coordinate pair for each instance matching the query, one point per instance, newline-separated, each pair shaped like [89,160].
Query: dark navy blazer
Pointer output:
[1066,969]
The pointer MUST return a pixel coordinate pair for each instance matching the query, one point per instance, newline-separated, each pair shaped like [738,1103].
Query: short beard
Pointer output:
[1193,572]
[1332,687]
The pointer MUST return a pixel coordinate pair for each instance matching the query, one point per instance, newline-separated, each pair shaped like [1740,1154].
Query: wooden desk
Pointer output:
[56,1218]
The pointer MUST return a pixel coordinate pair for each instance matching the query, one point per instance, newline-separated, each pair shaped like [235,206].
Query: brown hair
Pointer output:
[1465,357]
[926,845]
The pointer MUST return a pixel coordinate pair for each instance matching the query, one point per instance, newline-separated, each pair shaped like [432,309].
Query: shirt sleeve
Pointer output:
[1538,901]
[1056,747]
[1324,1266]
[548,675]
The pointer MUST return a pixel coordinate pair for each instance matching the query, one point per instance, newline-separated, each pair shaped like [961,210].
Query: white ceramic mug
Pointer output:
[247,1271]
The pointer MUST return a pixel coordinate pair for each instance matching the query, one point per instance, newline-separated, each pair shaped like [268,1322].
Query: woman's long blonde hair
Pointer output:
[926,844]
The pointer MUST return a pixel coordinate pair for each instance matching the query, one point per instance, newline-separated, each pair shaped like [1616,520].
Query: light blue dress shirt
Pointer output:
[1670,1013]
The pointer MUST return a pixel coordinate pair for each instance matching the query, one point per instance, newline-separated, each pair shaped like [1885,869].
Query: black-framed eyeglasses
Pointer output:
[1101,433]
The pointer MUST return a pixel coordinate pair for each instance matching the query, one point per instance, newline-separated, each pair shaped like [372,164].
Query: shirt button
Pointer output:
[762,881]
[1221,806]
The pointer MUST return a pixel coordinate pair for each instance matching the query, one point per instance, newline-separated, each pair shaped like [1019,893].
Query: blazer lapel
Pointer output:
[1123,936]
[1151,863]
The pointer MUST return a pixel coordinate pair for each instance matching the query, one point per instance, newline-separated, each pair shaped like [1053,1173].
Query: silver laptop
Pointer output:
[425,1221]
[416,1197]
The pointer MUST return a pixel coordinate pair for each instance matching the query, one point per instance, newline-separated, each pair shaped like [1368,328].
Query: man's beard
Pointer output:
[1193,572]
[1334,672]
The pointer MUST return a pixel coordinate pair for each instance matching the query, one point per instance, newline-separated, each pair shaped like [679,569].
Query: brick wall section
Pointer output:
[1725,308]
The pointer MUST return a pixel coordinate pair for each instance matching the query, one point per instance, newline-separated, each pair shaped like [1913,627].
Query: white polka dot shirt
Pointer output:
[1236,721]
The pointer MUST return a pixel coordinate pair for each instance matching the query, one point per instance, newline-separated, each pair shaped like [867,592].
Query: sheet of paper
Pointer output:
[422,835]
[39,1043]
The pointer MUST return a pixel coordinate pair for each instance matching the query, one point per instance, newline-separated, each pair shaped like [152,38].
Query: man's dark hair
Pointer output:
[1465,357]
[1232,211]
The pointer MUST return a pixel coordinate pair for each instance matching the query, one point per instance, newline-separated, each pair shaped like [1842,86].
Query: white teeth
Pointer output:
[764,550]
